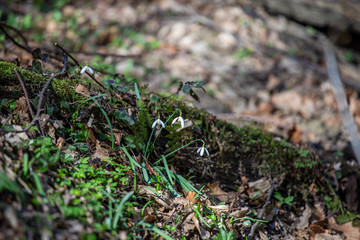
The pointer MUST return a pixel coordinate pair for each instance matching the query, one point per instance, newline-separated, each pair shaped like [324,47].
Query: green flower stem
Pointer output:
[148,143]
[196,140]
[157,135]
[173,115]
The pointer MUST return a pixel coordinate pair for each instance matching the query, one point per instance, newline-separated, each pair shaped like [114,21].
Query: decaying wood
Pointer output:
[340,97]
[338,14]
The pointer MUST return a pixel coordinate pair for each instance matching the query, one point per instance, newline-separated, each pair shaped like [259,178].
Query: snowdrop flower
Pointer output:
[179,119]
[87,68]
[202,150]
[158,121]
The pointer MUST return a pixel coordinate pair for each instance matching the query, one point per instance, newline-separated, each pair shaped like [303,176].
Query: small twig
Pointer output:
[26,47]
[27,99]
[25,92]
[262,212]
[106,54]
[337,87]
[78,64]
[41,98]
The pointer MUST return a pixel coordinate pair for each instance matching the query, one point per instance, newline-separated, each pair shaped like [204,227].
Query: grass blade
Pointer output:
[26,164]
[38,184]
[167,169]
[201,218]
[131,159]
[132,164]
[7,184]
[120,208]
[167,183]
[157,230]
[137,91]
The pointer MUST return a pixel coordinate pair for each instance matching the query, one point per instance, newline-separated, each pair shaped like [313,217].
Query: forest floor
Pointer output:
[258,69]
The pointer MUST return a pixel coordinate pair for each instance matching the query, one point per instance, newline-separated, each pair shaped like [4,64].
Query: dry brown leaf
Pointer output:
[171,49]
[220,208]
[288,100]
[303,221]
[197,223]
[150,168]
[239,213]
[263,236]
[11,217]
[100,152]
[182,201]
[326,236]
[150,218]
[162,199]
[92,135]
[318,227]
[191,196]
[320,213]
[262,184]
[295,135]
[80,89]
[351,232]
[117,135]
[21,106]
[60,142]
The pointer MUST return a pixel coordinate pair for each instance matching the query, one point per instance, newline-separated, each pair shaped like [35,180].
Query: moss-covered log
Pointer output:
[235,152]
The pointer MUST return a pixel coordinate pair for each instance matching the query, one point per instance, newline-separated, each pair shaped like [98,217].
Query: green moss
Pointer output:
[247,151]
[11,88]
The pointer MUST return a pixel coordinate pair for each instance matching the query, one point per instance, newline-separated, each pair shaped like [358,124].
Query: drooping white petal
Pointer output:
[83,70]
[87,68]
[179,119]
[207,152]
[174,121]
[202,150]
[158,121]
[181,122]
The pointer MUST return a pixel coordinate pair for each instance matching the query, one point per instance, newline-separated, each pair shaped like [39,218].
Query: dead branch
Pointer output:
[78,64]
[107,54]
[262,212]
[25,47]
[27,99]
[337,87]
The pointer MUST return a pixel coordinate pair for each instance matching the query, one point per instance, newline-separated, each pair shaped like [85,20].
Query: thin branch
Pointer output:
[78,64]
[337,87]
[107,54]
[27,99]
[25,92]
[262,212]
[26,47]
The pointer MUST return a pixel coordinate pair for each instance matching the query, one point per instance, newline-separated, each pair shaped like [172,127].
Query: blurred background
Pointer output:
[262,61]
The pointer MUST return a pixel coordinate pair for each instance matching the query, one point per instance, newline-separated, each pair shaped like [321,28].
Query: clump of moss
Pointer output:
[11,89]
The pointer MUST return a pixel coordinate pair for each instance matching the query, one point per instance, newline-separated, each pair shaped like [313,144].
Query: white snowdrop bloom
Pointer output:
[158,121]
[87,68]
[202,150]
[179,119]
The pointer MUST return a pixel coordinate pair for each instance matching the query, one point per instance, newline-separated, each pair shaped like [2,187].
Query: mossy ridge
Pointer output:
[33,81]
[11,89]
[246,151]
